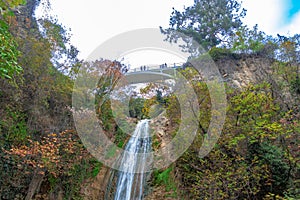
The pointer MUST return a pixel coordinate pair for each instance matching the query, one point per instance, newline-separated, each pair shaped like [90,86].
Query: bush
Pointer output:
[295,85]
[218,53]
[13,128]
[165,178]
[277,162]
[8,53]
[136,106]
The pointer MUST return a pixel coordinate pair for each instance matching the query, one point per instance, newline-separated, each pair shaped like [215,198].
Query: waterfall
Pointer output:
[132,177]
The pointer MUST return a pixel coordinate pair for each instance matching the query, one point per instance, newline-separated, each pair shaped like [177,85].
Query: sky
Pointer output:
[274,16]
[93,22]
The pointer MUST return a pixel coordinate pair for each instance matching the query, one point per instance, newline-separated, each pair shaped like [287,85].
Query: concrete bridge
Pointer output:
[154,73]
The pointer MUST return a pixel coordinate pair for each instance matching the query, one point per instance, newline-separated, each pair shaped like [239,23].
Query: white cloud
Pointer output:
[293,27]
[271,16]
[94,21]
[268,14]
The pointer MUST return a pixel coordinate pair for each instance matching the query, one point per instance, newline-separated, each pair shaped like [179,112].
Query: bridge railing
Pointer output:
[143,68]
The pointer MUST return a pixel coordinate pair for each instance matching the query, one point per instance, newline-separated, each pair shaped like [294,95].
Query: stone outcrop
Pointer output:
[251,69]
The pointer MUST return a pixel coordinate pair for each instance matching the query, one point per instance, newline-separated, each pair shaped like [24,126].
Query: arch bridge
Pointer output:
[153,73]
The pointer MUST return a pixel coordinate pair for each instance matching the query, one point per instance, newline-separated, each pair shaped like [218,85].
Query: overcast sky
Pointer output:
[94,21]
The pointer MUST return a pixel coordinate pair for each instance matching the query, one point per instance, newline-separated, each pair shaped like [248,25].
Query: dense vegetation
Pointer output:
[39,149]
[42,157]
[257,156]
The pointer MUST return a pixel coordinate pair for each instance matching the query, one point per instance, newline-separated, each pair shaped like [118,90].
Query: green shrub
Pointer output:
[295,85]
[136,106]
[218,53]
[8,53]
[165,178]
[277,162]
[14,127]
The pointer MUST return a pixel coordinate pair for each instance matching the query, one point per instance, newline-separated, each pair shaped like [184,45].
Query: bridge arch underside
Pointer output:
[147,77]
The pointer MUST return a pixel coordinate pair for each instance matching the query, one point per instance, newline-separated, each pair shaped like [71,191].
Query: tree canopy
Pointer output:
[208,22]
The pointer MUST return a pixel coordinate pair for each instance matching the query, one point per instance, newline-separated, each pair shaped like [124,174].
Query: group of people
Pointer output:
[162,66]
[143,68]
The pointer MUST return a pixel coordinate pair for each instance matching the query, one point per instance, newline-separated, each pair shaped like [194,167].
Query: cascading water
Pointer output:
[132,177]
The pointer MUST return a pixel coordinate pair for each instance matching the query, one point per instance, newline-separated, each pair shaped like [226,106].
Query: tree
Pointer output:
[8,47]
[289,53]
[8,53]
[64,54]
[247,40]
[288,48]
[6,6]
[208,22]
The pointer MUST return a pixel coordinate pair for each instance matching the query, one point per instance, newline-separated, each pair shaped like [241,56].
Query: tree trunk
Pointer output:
[35,183]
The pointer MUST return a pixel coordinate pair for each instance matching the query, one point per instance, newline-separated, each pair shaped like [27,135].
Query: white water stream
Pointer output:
[132,176]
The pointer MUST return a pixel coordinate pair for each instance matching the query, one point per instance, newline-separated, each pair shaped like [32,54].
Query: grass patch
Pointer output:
[165,179]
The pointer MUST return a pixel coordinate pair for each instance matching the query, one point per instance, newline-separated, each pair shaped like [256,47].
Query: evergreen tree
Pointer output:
[208,22]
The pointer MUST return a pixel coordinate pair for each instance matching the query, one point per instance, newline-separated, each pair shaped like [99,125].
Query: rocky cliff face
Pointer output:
[239,73]
[242,72]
